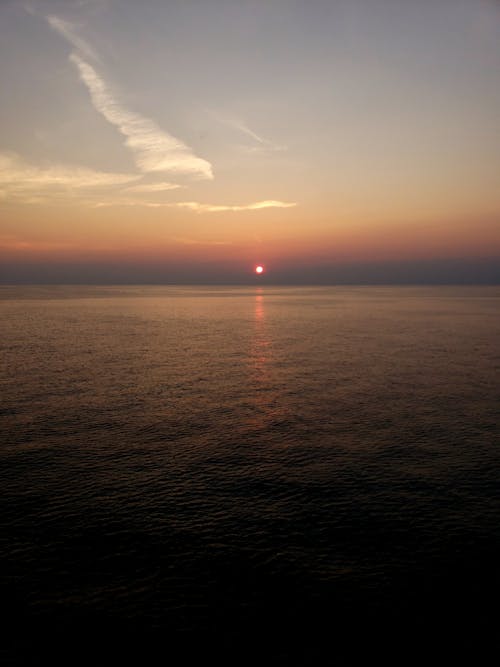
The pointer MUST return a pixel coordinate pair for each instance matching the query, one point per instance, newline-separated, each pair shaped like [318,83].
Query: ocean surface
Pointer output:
[261,475]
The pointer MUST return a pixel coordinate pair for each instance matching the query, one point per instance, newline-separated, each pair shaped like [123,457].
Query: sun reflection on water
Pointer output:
[266,408]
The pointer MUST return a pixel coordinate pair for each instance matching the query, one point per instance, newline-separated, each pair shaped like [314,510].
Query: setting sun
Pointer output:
[259,269]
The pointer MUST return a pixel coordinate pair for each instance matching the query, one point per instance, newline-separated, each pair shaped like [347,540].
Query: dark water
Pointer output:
[261,475]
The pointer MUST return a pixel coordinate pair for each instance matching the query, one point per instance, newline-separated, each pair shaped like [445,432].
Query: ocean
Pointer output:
[258,474]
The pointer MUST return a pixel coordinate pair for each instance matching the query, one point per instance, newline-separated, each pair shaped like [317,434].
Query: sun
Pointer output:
[259,269]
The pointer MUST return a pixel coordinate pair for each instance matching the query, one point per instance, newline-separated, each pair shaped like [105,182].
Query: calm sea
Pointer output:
[257,474]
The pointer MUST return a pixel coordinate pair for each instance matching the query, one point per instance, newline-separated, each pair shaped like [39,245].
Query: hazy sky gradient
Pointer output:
[340,140]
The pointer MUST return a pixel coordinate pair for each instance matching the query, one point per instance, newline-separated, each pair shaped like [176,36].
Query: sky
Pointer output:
[187,141]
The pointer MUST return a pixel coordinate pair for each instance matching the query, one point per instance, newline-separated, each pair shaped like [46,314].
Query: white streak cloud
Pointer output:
[154,149]
[246,130]
[110,201]
[196,206]
[215,208]
[263,144]
[67,30]
[153,187]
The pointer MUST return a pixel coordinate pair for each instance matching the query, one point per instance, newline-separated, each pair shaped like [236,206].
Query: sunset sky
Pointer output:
[188,141]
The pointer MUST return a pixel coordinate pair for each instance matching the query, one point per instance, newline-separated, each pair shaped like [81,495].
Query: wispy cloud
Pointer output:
[20,180]
[123,201]
[239,125]
[153,187]
[215,208]
[68,31]
[195,206]
[261,143]
[155,150]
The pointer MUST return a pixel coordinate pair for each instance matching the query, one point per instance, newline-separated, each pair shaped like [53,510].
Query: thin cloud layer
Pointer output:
[153,187]
[155,150]
[215,208]
[196,206]
[121,201]
[18,179]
